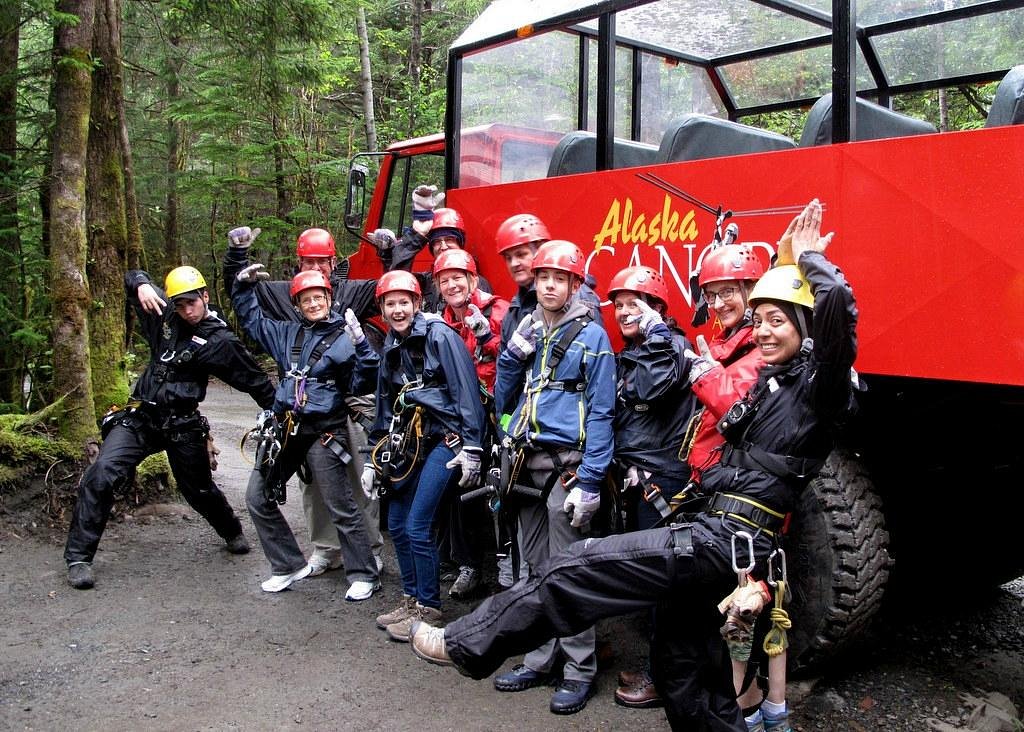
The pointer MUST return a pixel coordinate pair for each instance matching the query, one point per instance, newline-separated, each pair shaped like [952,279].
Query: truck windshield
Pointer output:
[534,65]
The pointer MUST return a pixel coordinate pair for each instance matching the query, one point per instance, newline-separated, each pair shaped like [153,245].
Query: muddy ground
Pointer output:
[178,636]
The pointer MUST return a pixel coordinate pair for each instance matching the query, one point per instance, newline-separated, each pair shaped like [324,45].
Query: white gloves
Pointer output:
[383,238]
[242,237]
[367,482]
[478,323]
[647,319]
[353,328]
[264,419]
[582,504]
[425,198]
[468,459]
[702,363]
[252,274]
[523,342]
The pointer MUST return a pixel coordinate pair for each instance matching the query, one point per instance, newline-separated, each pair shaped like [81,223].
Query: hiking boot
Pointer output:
[322,560]
[427,642]
[467,582]
[571,696]
[278,582]
[521,678]
[448,573]
[80,575]
[400,613]
[633,678]
[237,544]
[641,696]
[400,631]
[361,590]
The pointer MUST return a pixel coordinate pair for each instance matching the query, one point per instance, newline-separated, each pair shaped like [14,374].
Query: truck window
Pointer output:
[408,173]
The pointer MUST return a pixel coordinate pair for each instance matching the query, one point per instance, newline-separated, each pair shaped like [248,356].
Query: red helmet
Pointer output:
[559,254]
[398,280]
[307,281]
[315,243]
[730,262]
[447,218]
[639,279]
[454,259]
[520,229]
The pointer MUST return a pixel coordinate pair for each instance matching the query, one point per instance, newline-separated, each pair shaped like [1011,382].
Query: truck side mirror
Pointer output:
[355,198]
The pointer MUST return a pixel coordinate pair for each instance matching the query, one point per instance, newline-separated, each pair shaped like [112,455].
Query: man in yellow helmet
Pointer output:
[189,343]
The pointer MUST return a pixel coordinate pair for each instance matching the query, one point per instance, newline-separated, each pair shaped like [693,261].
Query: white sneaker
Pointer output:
[361,590]
[278,582]
[321,561]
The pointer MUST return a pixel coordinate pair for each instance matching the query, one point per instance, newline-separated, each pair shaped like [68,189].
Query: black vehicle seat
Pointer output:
[874,122]
[577,153]
[1008,104]
[699,136]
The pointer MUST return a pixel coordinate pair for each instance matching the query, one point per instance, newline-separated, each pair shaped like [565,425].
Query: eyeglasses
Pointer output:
[443,243]
[313,300]
[725,294]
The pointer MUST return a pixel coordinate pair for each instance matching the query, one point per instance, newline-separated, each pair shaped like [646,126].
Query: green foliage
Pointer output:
[26,448]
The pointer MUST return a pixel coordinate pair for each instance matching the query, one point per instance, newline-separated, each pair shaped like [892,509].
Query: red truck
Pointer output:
[617,123]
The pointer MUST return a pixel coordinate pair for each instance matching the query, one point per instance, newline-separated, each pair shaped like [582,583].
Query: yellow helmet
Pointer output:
[785,284]
[183,279]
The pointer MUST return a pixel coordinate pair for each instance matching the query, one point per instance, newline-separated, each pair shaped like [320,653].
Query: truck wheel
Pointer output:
[838,561]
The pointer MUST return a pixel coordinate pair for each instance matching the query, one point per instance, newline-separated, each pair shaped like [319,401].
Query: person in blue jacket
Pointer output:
[429,432]
[561,435]
[315,250]
[324,359]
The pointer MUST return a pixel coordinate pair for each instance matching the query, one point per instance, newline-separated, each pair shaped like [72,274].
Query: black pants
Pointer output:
[616,575]
[127,445]
[463,530]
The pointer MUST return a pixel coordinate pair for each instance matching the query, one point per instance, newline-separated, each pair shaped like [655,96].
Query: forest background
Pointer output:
[136,134]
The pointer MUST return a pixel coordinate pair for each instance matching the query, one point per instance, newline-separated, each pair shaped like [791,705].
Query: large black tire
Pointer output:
[838,561]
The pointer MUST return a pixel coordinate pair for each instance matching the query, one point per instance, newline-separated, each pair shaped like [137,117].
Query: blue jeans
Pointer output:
[411,509]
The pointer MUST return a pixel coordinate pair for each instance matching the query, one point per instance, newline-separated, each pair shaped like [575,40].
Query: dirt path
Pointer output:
[178,636]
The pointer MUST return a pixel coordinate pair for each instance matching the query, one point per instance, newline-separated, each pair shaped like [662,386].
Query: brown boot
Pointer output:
[642,696]
[632,678]
[400,631]
[400,613]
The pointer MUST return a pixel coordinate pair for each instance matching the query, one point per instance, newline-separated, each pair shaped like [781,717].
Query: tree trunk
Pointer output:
[415,60]
[172,254]
[11,373]
[280,187]
[105,215]
[366,80]
[133,254]
[72,80]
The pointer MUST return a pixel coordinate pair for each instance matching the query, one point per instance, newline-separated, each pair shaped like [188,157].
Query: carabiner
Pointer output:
[750,553]
[779,555]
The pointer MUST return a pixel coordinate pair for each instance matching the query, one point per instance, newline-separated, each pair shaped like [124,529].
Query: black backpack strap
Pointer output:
[296,353]
[560,348]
